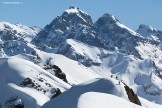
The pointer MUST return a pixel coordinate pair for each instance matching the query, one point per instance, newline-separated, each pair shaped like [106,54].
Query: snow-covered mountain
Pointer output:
[116,35]
[107,32]
[17,31]
[150,32]
[77,63]
[73,23]
[15,38]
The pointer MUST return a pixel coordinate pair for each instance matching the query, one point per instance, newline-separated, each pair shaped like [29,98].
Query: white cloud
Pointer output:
[12,3]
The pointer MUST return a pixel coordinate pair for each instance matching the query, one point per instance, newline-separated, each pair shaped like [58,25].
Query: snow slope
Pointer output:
[83,53]
[76,72]
[102,100]
[12,74]
[96,93]
[70,98]
[140,75]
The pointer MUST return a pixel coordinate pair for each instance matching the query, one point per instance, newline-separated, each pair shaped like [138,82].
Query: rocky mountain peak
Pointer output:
[149,32]
[72,9]
[146,27]
[107,19]
[74,14]
[73,23]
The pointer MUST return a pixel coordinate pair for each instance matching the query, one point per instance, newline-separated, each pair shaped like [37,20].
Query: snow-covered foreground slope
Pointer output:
[18,69]
[71,97]
[102,100]
[97,93]
[28,82]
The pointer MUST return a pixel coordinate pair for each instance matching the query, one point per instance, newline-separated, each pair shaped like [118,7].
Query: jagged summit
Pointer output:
[147,27]
[73,23]
[109,18]
[72,9]
[71,16]
[74,13]
[150,32]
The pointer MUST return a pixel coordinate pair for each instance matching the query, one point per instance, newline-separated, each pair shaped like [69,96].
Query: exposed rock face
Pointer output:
[19,106]
[26,82]
[57,93]
[55,70]
[14,102]
[132,96]
[31,83]
[59,73]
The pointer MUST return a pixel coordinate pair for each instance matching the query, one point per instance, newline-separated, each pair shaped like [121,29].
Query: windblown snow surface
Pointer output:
[96,93]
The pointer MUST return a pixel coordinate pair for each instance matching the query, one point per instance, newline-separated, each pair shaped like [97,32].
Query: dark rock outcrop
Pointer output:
[132,96]
[26,82]
[59,73]
[57,93]
[14,102]
[19,106]
[55,70]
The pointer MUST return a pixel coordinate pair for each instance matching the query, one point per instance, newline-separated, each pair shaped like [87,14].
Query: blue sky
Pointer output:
[42,12]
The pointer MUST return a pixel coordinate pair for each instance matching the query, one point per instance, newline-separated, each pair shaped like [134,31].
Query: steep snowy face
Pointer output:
[108,19]
[18,31]
[83,53]
[116,35]
[150,32]
[73,23]
[14,47]
[152,51]
[15,39]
